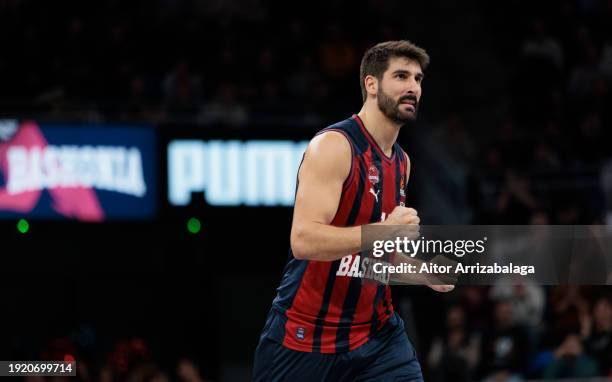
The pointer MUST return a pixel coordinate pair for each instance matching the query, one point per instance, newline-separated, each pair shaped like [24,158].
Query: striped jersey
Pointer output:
[323,306]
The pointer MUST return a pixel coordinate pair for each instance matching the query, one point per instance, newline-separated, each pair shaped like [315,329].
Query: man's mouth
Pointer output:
[410,103]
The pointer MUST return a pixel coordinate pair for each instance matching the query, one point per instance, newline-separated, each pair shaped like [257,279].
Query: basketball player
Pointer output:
[325,324]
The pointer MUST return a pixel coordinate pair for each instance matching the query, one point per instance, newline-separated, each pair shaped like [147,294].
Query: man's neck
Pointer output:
[382,129]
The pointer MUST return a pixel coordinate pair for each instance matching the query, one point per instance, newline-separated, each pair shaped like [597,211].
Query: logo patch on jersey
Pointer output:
[373,175]
[375,193]
[300,333]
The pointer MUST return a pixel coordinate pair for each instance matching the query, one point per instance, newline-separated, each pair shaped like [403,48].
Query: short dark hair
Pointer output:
[376,59]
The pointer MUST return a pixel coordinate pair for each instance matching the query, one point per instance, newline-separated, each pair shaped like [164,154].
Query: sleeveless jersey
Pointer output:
[324,307]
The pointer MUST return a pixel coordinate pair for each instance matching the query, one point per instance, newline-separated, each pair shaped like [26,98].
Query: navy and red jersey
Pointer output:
[323,306]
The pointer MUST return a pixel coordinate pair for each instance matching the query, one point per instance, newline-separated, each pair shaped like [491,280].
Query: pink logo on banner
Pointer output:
[79,203]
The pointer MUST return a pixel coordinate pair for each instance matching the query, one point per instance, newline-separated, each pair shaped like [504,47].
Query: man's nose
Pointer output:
[412,88]
[412,91]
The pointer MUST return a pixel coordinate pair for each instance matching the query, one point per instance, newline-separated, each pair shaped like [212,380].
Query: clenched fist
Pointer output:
[402,215]
[402,222]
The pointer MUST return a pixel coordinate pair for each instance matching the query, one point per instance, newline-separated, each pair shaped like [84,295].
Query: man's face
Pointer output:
[399,91]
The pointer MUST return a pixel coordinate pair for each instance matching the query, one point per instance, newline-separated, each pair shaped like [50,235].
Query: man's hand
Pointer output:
[442,282]
[405,222]
[405,216]
[442,288]
[402,215]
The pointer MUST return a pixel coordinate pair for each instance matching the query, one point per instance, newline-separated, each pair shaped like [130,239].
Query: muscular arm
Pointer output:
[325,166]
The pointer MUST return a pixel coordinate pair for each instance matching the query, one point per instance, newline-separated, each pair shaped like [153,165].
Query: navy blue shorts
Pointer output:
[387,356]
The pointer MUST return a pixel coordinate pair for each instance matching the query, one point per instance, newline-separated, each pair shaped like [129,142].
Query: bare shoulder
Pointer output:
[330,143]
[329,152]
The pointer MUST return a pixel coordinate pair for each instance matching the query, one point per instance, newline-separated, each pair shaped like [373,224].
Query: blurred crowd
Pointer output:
[130,360]
[514,115]
[227,63]
[539,151]
[515,125]
[521,332]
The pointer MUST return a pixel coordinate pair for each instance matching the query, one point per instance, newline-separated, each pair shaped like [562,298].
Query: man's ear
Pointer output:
[371,85]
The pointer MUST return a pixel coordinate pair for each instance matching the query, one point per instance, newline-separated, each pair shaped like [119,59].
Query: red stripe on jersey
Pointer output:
[367,200]
[365,305]
[360,329]
[385,306]
[348,196]
[328,336]
[385,303]
[341,284]
[306,305]
[389,309]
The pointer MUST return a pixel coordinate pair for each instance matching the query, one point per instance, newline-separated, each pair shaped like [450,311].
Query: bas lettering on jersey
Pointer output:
[355,266]
[363,267]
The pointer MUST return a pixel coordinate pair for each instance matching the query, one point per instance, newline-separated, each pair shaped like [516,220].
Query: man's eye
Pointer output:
[402,76]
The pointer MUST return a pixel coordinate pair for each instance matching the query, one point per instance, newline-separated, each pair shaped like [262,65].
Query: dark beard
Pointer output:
[391,110]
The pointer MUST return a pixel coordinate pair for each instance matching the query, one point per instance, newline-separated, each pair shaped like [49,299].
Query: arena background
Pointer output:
[514,128]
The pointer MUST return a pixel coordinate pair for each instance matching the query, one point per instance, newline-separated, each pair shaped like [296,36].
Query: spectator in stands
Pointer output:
[542,45]
[225,108]
[571,361]
[516,202]
[188,371]
[182,90]
[527,299]
[504,347]
[454,357]
[597,334]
